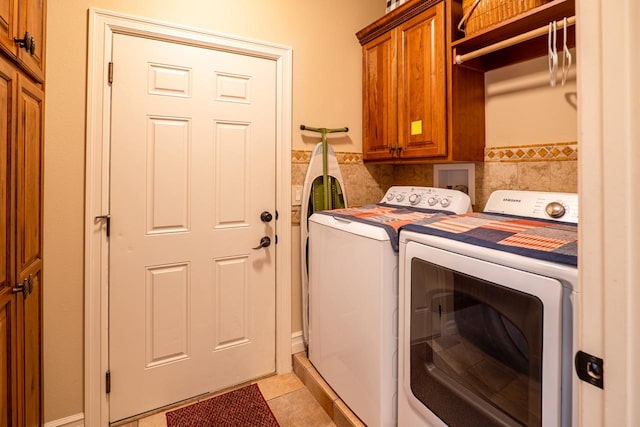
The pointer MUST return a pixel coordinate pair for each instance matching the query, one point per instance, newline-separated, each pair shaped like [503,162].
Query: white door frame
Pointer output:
[609,185]
[102,26]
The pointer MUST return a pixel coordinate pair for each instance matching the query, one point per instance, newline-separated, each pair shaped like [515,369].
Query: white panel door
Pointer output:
[191,303]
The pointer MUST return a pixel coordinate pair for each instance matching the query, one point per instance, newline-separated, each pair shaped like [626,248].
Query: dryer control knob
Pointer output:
[414,199]
[400,197]
[390,196]
[445,202]
[432,201]
[555,210]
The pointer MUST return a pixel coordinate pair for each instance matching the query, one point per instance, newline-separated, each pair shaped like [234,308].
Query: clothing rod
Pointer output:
[459,59]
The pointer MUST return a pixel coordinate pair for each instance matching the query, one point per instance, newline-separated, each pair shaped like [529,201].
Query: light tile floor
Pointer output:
[290,401]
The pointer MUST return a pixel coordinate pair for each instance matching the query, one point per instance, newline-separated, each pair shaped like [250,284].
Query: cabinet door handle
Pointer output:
[27,42]
[22,287]
[391,150]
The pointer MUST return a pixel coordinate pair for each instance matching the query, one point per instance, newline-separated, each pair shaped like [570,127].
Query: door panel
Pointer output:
[8,359]
[32,352]
[8,24]
[8,300]
[379,113]
[7,95]
[192,305]
[421,85]
[29,165]
[29,172]
[31,18]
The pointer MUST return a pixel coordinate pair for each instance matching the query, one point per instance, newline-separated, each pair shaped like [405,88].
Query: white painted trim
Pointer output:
[609,186]
[76,420]
[102,25]
[297,342]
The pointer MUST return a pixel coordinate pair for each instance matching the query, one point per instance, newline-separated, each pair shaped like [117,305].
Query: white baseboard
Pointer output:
[76,420]
[297,342]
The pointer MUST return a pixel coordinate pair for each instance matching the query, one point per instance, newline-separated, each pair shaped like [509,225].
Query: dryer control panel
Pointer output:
[441,199]
[535,204]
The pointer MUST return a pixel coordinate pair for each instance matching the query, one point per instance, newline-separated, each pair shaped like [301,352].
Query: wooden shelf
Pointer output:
[538,17]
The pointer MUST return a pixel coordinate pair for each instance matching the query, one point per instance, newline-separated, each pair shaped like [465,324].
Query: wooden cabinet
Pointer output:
[24,20]
[21,169]
[404,90]
[411,112]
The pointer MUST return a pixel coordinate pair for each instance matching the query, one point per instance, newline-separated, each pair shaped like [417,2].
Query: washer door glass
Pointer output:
[476,349]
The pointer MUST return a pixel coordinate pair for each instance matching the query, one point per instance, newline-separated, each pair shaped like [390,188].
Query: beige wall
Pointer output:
[523,109]
[326,93]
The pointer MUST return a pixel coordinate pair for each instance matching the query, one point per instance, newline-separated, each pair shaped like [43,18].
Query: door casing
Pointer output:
[102,26]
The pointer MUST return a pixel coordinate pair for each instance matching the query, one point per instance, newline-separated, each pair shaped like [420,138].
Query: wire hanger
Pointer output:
[553,54]
[566,55]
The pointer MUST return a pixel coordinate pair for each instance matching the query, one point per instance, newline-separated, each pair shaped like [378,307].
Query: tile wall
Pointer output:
[548,167]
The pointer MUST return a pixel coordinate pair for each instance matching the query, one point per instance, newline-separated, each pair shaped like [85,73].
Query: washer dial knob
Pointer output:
[445,202]
[415,198]
[555,210]
[390,196]
[432,201]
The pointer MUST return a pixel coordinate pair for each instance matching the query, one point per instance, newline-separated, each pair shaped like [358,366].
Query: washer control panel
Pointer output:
[535,204]
[428,198]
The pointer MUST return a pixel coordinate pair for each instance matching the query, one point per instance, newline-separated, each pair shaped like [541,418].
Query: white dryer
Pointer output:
[353,295]
[487,312]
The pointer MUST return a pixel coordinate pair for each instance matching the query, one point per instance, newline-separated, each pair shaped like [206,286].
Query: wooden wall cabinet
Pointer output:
[24,20]
[411,111]
[21,198]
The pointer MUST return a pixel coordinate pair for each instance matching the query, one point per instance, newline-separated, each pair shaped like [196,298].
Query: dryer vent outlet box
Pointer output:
[459,176]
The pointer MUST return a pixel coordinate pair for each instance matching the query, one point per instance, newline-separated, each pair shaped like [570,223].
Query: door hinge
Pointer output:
[108,382]
[107,218]
[590,369]
[110,74]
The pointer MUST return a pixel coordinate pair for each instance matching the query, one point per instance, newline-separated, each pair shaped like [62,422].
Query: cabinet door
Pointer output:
[8,312]
[379,138]
[31,15]
[9,24]
[421,85]
[29,238]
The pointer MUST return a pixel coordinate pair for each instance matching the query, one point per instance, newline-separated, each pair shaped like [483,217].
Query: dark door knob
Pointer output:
[266,217]
[265,242]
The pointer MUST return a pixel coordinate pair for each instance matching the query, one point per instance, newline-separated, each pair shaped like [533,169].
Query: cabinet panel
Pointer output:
[9,354]
[8,24]
[421,86]
[28,172]
[8,360]
[379,112]
[7,89]
[32,324]
[31,15]
[29,176]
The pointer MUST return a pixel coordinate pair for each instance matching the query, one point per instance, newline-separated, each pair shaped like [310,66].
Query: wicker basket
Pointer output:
[479,14]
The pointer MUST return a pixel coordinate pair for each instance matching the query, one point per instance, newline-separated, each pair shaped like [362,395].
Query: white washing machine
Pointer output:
[353,295]
[487,305]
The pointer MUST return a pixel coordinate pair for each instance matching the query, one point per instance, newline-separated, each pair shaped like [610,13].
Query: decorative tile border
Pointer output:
[532,153]
[303,156]
[511,153]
